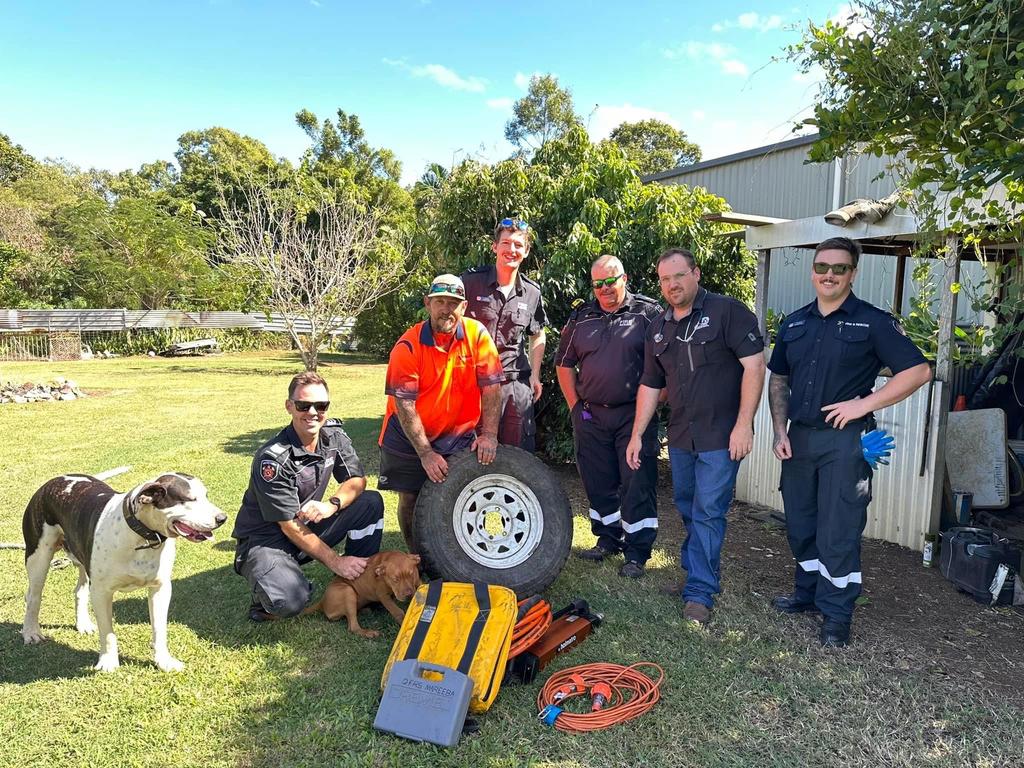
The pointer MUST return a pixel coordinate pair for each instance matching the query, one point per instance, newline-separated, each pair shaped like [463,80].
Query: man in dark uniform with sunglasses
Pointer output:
[824,365]
[708,353]
[599,361]
[283,524]
[510,306]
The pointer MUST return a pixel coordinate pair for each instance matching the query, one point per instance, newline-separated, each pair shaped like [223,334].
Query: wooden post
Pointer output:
[947,309]
[943,372]
[764,256]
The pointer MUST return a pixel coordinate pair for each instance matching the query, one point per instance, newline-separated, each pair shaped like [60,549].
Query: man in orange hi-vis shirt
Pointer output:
[444,379]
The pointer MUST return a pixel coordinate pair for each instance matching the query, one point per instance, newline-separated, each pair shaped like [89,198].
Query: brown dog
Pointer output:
[388,575]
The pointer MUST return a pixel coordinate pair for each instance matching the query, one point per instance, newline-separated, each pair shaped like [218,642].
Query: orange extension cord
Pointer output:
[529,628]
[632,694]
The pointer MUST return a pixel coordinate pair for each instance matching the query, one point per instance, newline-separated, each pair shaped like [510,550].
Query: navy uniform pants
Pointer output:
[826,489]
[623,506]
[517,426]
[275,572]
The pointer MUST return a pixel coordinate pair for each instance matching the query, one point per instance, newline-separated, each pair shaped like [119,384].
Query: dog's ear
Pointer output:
[380,570]
[151,494]
[415,558]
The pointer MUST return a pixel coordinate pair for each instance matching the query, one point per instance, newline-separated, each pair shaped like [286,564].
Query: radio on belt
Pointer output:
[569,627]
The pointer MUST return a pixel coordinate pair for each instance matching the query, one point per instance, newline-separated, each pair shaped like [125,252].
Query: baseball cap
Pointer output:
[447,285]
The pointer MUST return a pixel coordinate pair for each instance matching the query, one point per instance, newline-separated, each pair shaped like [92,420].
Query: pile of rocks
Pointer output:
[30,392]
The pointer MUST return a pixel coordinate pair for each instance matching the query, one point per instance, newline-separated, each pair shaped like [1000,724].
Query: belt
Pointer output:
[516,376]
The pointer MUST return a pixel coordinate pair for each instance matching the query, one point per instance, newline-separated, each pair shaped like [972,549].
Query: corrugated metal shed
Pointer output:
[776,180]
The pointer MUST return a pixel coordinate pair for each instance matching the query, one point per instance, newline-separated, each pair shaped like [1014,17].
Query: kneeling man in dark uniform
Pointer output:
[283,524]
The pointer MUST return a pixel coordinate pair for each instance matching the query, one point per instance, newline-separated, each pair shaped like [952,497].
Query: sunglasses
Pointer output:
[820,268]
[303,406]
[447,288]
[607,281]
[513,224]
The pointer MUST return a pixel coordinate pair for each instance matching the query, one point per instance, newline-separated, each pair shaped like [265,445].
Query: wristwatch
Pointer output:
[336,502]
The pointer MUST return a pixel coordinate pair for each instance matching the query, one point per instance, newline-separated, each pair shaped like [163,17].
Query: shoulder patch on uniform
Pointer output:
[577,303]
[477,269]
[898,326]
[268,470]
[333,423]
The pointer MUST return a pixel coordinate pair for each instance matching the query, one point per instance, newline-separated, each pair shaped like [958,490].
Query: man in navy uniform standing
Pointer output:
[707,351]
[824,366]
[510,306]
[599,362]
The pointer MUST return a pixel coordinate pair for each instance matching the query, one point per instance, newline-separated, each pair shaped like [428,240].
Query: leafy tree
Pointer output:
[15,162]
[344,142]
[134,254]
[219,164]
[655,146]
[939,86]
[582,200]
[544,113]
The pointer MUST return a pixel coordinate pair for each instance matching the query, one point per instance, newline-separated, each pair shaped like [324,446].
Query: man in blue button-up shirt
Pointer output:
[824,366]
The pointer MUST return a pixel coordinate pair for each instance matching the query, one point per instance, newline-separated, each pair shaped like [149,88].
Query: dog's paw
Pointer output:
[108,663]
[169,664]
[86,627]
[369,634]
[32,636]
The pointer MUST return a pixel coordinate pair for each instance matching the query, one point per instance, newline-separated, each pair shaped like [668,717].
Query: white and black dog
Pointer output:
[119,541]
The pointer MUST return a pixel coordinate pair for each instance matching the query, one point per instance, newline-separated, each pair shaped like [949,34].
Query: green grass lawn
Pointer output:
[753,690]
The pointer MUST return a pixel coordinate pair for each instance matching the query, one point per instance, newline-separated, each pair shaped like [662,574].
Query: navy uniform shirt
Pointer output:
[285,476]
[836,358]
[697,358]
[509,321]
[607,348]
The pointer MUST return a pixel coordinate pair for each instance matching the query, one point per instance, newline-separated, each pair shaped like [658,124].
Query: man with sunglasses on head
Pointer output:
[283,524]
[443,380]
[707,351]
[824,365]
[510,306]
[599,361]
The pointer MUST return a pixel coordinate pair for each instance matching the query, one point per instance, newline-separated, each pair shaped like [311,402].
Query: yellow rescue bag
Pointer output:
[467,627]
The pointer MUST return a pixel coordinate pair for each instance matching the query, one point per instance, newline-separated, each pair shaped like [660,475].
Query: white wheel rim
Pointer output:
[498,521]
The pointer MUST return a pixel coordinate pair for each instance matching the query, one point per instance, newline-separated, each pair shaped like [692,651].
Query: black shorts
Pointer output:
[400,473]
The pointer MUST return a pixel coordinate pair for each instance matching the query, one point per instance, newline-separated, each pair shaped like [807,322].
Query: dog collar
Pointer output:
[155,539]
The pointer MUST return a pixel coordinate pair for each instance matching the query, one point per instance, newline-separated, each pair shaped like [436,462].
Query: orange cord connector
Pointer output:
[626,692]
[533,623]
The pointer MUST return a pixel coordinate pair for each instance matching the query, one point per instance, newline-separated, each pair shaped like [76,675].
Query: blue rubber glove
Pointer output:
[877,446]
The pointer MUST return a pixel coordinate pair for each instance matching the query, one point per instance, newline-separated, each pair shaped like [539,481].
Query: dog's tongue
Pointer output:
[191,533]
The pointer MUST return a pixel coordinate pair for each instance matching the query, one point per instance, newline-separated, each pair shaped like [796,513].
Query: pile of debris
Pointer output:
[30,392]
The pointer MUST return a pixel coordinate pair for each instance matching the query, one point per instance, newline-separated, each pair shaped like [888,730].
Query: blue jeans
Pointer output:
[702,485]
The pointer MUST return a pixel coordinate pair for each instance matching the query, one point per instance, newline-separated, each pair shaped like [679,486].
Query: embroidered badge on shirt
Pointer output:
[268,470]
[898,327]
[704,322]
[521,305]
[658,337]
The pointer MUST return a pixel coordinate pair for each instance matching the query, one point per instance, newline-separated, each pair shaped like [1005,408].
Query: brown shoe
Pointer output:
[698,613]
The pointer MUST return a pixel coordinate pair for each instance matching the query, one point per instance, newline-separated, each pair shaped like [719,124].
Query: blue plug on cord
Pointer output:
[877,447]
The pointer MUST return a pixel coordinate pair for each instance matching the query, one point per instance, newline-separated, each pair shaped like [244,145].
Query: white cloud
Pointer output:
[725,136]
[749,20]
[721,53]
[502,103]
[605,119]
[847,16]
[735,67]
[522,81]
[440,74]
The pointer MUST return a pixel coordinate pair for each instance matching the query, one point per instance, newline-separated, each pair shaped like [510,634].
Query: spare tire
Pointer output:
[506,523]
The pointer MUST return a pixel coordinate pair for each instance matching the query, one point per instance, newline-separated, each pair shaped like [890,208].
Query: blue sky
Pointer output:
[113,84]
